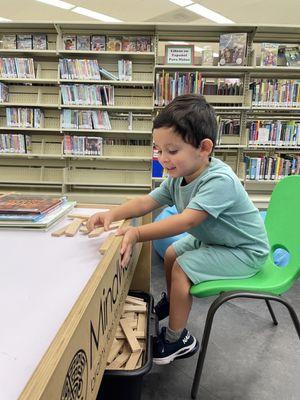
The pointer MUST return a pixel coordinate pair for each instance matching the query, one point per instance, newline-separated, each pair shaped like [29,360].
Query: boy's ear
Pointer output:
[206,145]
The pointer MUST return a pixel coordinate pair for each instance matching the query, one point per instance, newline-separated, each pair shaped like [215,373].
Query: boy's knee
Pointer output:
[170,255]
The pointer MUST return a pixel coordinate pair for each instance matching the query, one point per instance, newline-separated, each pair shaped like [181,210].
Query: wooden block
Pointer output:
[73,227]
[142,323]
[134,300]
[133,322]
[80,216]
[133,360]
[60,232]
[120,360]
[114,350]
[142,308]
[106,245]
[130,335]
[137,334]
[131,315]
[96,232]
[84,230]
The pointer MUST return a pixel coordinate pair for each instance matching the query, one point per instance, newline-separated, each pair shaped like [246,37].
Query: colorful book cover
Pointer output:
[232,49]
[114,43]
[269,54]
[83,42]
[24,42]
[32,204]
[69,42]
[39,41]
[98,43]
[9,41]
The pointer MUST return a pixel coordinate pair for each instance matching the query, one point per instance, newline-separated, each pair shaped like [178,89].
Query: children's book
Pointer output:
[269,54]
[24,42]
[232,49]
[69,42]
[292,55]
[143,43]
[207,56]
[98,43]
[83,42]
[9,41]
[32,204]
[128,43]
[114,43]
[39,41]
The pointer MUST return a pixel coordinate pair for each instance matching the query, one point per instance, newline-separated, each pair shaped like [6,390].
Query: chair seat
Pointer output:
[271,279]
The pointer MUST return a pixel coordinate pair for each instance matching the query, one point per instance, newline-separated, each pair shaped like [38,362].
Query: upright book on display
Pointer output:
[232,49]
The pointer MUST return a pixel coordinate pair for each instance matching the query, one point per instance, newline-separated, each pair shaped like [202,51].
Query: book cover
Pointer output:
[128,43]
[39,41]
[98,43]
[32,204]
[269,54]
[9,41]
[232,49]
[24,42]
[292,55]
[143,43]
[83,42]
[114,43]
[207,56]
[69,42]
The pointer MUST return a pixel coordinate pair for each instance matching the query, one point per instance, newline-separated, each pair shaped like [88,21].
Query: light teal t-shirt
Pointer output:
[233,220]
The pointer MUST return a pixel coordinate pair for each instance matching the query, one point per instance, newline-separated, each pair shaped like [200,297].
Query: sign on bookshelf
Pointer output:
[179,54]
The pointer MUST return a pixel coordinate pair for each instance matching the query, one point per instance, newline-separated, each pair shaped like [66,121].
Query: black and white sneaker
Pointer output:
[162,308]
[164,352]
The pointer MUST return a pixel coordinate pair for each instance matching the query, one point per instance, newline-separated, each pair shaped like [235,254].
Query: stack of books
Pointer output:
[19,211]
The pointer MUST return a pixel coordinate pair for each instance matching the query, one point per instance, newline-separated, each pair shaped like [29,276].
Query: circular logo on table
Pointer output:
[75,385]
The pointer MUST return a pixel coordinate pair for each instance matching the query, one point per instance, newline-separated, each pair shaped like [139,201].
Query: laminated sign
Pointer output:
[183,54]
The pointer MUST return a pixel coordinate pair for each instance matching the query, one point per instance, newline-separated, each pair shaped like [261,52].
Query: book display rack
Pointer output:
[62,84]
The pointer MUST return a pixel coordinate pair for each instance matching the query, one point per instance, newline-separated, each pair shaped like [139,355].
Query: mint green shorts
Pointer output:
[202,262]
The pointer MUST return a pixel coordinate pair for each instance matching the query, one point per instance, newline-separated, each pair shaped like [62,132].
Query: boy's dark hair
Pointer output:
[191,117]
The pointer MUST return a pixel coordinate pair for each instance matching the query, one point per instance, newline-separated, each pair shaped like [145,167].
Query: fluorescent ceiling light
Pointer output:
[5,19]
[209,14]
[58,3]
[182,3]
[95,15]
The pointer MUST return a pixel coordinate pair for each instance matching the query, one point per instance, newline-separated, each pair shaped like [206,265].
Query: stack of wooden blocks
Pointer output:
[79,224]
[130,341]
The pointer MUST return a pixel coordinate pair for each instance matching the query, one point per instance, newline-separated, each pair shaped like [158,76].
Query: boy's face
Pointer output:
[180,159]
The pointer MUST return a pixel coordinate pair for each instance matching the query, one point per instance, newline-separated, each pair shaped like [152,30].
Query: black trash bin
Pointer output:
[127,385]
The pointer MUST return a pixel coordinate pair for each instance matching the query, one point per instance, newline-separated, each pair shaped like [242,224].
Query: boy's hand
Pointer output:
[99,219]
[131,237]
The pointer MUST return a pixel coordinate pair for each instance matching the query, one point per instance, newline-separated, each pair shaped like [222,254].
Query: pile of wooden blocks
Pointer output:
[130,342]
[79,224]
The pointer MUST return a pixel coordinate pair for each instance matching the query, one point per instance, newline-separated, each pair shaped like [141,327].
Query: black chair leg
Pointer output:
[205,338]
[224,297]
[271,312]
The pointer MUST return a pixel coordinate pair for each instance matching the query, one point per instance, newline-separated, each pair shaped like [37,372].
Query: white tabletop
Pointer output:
[41,277]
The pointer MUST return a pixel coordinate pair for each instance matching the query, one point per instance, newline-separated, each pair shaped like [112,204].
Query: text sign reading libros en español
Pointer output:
[183,54]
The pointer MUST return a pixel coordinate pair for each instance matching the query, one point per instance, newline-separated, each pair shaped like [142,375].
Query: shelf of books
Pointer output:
[77,103]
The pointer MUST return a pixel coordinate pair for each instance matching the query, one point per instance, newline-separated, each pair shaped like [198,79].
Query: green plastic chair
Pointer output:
[282,224]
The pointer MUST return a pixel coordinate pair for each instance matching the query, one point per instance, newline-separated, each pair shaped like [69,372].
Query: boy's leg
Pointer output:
[169,260]
[180,299]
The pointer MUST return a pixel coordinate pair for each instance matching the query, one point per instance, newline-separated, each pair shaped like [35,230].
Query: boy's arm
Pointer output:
[133,208]
[136,207]
[171,226]
[168,227]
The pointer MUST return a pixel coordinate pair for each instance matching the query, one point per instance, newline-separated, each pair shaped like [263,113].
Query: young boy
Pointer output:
[227,238]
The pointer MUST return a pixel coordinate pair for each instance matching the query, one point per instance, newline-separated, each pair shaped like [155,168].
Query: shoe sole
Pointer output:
[178,354]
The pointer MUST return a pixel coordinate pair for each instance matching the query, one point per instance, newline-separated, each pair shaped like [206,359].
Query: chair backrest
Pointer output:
[283,223]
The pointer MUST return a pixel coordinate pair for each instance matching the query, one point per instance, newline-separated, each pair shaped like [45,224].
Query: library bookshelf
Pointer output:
[124,166]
